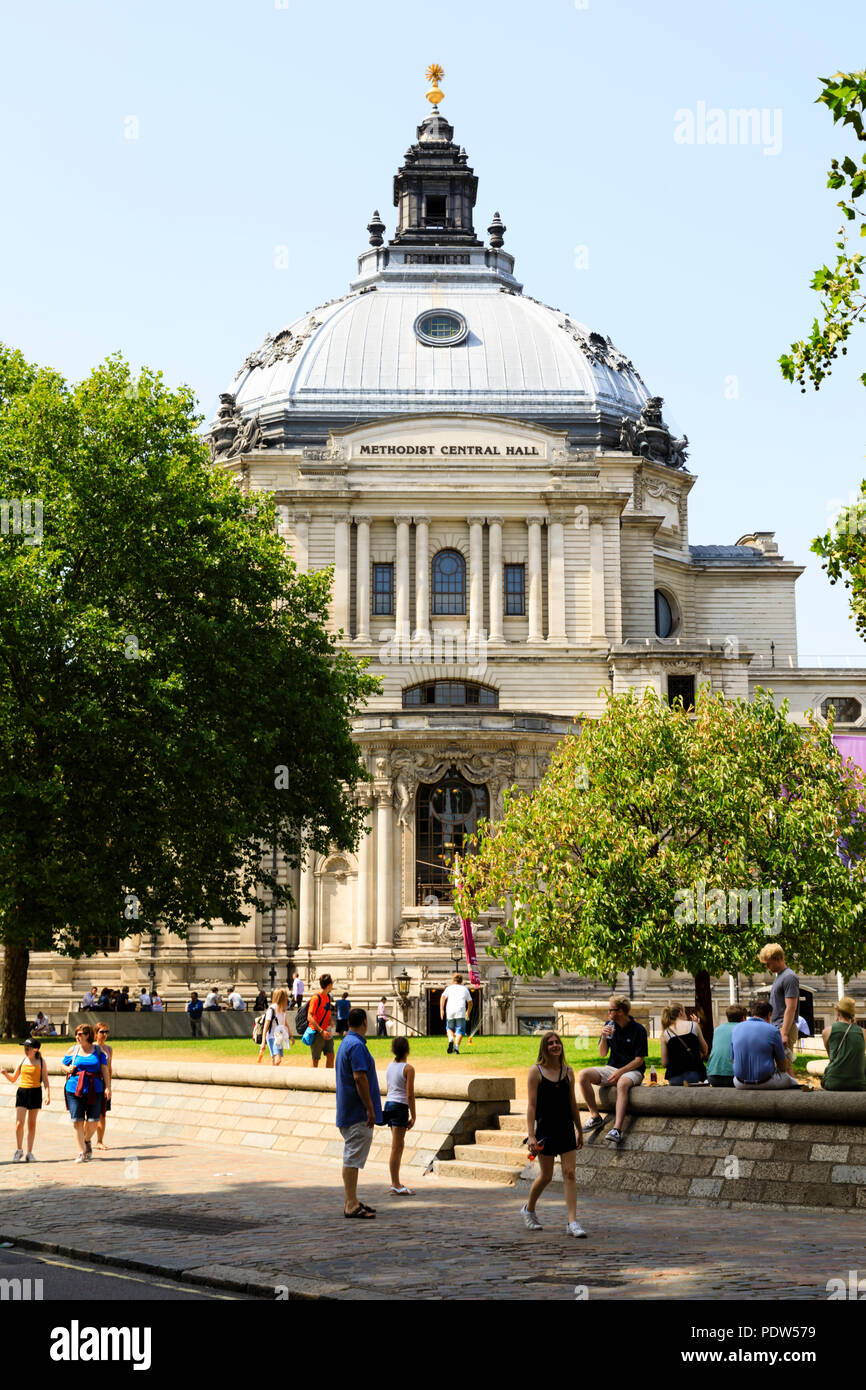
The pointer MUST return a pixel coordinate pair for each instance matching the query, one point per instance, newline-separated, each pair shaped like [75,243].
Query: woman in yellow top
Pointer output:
[31,1075]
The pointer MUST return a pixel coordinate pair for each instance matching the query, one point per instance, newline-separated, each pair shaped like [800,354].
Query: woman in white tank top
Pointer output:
[399,1110]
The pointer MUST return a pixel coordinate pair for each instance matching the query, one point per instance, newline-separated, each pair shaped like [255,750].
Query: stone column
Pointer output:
[293,916]
[496,577]
[556,633]
[384,862]
[596,582]
[422,578]
[307,908]
[476,576]
[340,603]
[534,524]
[401,611]
[364,926]
[302,541]
[362,581]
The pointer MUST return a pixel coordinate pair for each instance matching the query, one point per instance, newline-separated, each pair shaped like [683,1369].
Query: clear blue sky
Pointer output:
[262,127]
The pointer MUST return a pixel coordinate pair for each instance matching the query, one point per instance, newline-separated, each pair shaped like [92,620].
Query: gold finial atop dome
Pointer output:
[435,74]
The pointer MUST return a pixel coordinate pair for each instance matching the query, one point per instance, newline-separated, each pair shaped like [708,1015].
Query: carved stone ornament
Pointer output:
[598,348]
[331,453]
[410,768]
[279,348]
[232,435]
[650,438]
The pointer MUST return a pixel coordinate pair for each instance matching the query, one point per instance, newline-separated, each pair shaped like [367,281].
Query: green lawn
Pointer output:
[486,1053]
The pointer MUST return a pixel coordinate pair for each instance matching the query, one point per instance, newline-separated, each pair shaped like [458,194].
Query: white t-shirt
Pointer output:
[456,998]
[144,999]
[88,1001]
[236,1001]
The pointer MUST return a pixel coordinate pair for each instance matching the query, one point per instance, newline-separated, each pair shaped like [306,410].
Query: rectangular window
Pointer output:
[515,591]
[383,591]
[682,688]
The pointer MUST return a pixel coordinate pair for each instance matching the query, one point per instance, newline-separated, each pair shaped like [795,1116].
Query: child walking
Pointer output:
[31,1075]
[399,1110]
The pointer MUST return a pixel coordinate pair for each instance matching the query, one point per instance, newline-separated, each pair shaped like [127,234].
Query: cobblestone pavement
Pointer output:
[246,1219]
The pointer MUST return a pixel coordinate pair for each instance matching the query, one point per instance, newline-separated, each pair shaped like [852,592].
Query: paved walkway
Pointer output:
[244,1221]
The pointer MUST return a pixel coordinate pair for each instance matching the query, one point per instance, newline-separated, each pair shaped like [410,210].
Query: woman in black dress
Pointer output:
[553,1129]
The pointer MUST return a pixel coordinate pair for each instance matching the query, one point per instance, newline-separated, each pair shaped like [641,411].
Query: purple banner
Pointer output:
[469,948]
[852,746]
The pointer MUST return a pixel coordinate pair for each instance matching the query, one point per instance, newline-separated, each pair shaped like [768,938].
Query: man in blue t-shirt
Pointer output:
[342,1009]
[194,1008]
[359,1108]
[758,1053]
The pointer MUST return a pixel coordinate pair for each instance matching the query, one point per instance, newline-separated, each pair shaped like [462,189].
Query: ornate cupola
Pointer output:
[435,190]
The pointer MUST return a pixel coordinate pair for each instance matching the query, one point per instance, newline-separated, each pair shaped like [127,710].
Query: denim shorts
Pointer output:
[456,1025]
[84,1107]
[396,1114]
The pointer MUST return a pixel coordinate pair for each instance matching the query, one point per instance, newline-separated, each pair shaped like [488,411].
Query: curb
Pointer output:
[207,1276]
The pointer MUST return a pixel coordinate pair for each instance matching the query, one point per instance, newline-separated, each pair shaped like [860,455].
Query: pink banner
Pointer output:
[469,948]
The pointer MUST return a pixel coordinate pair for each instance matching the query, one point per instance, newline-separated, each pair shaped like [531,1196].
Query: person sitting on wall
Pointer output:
[629,1045]
[720,1069]
[846,1048]
[758,1053]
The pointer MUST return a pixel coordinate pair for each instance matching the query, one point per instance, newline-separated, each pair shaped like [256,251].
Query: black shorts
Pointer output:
[29,1097]
[396,1114]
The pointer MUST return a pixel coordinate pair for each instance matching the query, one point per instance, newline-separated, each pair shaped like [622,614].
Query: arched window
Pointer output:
[450,693]
[447,815]
[449,582]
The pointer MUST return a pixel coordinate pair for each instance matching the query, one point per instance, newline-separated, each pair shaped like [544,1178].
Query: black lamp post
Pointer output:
[504,997]
[403,984]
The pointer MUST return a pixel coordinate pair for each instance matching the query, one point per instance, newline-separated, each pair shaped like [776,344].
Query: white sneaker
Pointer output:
[18,1155]
[614,1135]
[30,1158]
[530,1220]
[79,1158]
[574,1228]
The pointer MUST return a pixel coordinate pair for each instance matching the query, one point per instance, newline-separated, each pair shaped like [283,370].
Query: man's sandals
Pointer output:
[361,1213]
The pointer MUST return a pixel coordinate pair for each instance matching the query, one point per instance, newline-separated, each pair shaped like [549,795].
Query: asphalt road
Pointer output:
[75,1281]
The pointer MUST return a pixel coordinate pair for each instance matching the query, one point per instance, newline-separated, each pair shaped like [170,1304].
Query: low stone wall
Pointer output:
[215,1023]
[733,1148]
[287,1109]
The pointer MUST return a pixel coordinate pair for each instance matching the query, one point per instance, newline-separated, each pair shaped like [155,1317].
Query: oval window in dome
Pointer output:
[441,328]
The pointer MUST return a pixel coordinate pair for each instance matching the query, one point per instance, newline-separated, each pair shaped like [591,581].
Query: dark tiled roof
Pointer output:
[745,554]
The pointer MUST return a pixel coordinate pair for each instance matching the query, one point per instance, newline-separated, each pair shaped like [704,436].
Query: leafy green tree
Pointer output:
[681,841]
[170,701]
[843,305]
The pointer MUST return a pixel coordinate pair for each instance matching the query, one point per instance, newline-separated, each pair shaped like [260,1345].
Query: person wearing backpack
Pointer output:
[319,1012]
[275,1028]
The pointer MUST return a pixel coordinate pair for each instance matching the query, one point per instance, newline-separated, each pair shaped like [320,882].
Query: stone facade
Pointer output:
[506,515]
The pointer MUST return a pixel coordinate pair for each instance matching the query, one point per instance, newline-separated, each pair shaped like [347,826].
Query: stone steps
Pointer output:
[496,1155]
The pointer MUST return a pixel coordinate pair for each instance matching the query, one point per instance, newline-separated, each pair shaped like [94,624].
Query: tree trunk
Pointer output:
[704,1004]
[13,1014]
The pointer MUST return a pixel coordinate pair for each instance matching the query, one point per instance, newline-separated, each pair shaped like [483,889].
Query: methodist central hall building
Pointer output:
[507,517]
